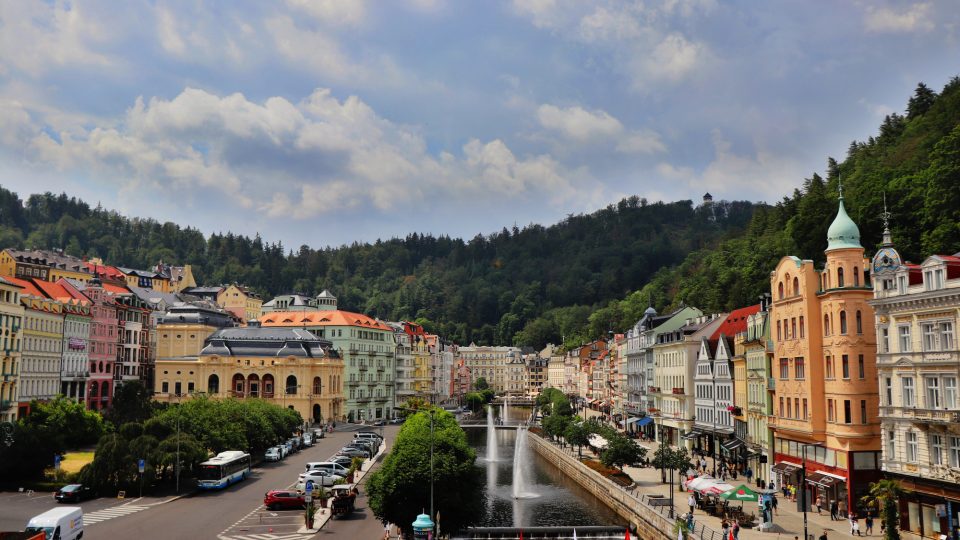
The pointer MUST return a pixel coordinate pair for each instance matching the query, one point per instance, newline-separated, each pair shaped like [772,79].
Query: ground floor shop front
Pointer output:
[929,508]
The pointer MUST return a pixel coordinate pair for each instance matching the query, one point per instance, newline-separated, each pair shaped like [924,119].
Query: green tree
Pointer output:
[555,425]
[413,404]
[884,495]
[400,488]
[51,428]
[622,451]
[481,384]
[474,400]
[131,403]
[577,435]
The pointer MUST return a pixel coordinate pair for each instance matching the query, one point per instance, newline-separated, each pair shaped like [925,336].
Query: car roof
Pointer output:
[275,491]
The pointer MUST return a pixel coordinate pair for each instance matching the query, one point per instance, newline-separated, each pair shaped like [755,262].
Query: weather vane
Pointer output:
[886,213]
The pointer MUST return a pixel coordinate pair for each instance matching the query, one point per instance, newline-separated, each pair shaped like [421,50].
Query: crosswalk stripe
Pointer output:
[110,513]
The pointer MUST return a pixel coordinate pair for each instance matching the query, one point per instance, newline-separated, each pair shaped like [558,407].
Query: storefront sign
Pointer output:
[77,344]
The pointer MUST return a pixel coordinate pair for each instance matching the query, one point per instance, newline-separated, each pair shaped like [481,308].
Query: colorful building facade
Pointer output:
[11,325]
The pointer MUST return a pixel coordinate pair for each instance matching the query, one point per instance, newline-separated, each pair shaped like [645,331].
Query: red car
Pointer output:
[279,499]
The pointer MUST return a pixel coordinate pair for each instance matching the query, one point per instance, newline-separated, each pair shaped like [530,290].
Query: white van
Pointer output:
[330,466]
[64,523]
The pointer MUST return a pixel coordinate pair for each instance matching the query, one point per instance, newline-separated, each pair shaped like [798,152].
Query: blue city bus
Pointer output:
[224,469]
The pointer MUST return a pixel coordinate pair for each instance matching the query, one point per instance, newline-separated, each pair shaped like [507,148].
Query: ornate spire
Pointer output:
[843,232]
[885,216]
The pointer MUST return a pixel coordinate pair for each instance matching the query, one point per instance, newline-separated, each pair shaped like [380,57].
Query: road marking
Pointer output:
[290,536]
[112,512]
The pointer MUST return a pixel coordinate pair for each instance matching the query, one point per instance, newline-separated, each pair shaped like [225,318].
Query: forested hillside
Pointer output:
[914,161]
[484,290]
[575,280]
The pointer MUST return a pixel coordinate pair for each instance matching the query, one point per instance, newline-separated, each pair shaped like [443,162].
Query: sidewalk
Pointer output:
[788,522]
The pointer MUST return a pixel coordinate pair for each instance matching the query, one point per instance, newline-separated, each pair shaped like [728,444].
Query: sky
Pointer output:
[327,122]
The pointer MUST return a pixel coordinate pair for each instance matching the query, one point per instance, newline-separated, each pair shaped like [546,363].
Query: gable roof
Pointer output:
[29,288]
[735,322]
[321,318]
[60,293]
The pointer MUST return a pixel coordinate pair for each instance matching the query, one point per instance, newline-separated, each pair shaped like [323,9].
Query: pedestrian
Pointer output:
[749,474]
[692,501]
[868,523]
[823,536]
[842,509]
[833,510]
[690,522]
[725,527]
[736,529]
[775,512]
[386,530]
[854,525]
[817,504]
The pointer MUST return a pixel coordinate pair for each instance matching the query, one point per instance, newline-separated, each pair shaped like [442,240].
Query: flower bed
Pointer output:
[615,475]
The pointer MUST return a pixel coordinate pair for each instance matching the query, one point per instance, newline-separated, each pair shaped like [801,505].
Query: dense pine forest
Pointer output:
[578,279]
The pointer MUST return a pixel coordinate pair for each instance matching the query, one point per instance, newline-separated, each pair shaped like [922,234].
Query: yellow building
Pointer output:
[422,380]
[286,366]
[45,265]
[182,330]
[240,301]
[11,321]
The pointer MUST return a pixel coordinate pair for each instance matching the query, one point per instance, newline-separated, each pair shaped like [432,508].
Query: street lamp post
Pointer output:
[803,485]
[176,466]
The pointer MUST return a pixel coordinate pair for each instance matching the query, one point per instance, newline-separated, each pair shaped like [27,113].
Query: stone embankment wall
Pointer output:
[649,524]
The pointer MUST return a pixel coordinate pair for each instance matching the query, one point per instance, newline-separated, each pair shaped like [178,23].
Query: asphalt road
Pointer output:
[234,513]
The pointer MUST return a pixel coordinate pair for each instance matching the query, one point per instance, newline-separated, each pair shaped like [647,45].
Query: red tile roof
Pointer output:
[116,289]
[28,287]
[59,293]
[321,318]
[735,322]
[104,270]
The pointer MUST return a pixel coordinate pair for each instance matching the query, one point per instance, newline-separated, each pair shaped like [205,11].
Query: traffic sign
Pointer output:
[308,498]
[56,462]
[309,486]
[141,465]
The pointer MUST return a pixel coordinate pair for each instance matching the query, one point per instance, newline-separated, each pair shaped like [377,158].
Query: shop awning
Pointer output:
[644,421]
[732,444]
[692,434]
[785,468]
[826,479]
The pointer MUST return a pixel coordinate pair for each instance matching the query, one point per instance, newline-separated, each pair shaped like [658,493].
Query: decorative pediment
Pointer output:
[903,362]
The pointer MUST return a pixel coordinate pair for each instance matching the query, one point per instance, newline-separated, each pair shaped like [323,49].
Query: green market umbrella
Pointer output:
[741,493]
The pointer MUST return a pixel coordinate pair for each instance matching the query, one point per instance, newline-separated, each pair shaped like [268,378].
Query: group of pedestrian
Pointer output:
[730,527]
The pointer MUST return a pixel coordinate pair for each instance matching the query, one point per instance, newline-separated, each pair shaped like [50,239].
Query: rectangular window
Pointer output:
[789,408]
[805,416]
[904,338]
[793,328]
[860,367]
[845,366]
[830,415]
[909,397]
[929,336]
[946,336]
[165,387]
[913,449]
[177,388]
[955,451]
[799,368]
[781,408]
[801,326]
[891,445]
[846,411]
[829,367]
[784,368]
[950,392]
[936,449]
[934,400]
[190,387]
[863,411]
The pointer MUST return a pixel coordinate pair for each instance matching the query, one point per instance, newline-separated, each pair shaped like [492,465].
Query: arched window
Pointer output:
[780,291]
[843,322]
[291,387]
[796,286]
[239,385]
[253,383]
[93,389]
[268,386]
[104,389]
[859,322]
[856,276]
[213,385]
[840,277]
[317,386]
[826,325]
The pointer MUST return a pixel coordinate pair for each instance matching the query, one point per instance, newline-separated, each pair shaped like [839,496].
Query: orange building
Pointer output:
[824,371]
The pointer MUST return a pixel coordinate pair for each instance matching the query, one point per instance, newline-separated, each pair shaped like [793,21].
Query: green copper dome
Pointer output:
[843,232]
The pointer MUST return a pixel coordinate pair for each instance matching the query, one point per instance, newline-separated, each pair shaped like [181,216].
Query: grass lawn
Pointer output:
[73,461]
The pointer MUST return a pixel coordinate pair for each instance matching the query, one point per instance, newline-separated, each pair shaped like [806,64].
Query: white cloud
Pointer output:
[577,123]
[542,13]
[642,142]
[304,159]
[607,25]
[334,12]
[762,176]
[915,18]
[671,60]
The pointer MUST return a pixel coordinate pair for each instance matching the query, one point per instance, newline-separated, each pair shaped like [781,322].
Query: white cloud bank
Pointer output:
[582,126]
[916,18]
[286,159]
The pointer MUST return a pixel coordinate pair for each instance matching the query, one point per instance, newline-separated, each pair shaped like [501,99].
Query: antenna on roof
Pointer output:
[886,213]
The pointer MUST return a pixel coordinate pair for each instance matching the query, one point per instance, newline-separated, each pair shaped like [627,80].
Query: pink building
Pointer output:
[103,341]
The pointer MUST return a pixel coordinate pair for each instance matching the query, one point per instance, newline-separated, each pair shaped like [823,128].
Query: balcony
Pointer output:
[362,367]
[6,404]
[677,391]
[353,383]
[653,389]
[933,416]
[771,384]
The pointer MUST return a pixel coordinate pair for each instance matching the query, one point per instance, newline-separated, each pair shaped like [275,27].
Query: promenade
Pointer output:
[788,521]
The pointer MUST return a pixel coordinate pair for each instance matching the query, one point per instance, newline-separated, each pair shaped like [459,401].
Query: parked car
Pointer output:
[354,452]
[397,420]
[330,466]
[379,423]
[319,477]
[318,434]
[307,439]
[284,450]
[346,461]
[272,454]
[280,499]
[291,448]
[74,493]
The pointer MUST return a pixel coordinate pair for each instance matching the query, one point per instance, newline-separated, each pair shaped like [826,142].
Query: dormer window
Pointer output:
[933,279]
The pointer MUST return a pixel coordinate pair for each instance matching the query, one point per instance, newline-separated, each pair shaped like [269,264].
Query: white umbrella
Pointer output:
[699,481]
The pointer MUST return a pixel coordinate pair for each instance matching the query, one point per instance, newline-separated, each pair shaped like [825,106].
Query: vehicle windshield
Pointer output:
[209,472]
[70,488]
[47,531]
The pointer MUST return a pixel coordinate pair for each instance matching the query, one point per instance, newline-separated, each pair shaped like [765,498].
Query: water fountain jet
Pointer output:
[491,437]
[522,480]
